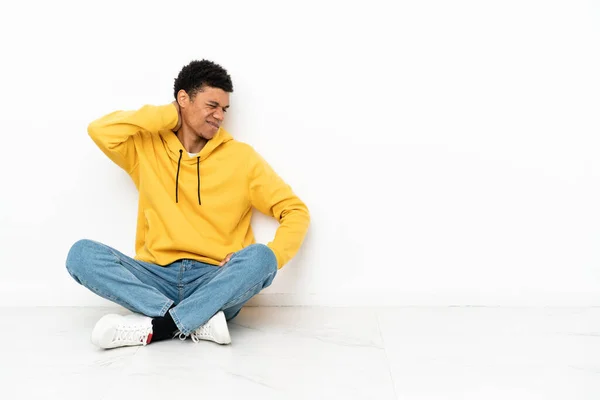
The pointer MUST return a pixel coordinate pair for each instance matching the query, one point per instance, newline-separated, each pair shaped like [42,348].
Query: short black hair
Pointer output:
[197,74]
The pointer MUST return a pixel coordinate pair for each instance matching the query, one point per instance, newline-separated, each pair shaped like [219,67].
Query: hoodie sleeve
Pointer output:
[272,196]
[114,132]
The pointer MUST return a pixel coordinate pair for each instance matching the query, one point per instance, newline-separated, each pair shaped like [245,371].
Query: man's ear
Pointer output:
[183,99]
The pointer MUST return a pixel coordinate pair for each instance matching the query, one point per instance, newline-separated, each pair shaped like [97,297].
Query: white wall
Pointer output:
[448,151]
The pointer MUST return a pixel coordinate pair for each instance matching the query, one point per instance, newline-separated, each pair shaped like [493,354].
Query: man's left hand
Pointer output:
[226,260]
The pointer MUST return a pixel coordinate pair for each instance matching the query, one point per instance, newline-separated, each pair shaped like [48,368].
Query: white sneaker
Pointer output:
[215,330]
[115,330]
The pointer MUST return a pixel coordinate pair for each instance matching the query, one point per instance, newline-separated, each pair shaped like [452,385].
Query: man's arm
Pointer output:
[272,196]
[114,132]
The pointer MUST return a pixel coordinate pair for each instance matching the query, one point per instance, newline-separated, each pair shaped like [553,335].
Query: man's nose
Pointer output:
[219,115]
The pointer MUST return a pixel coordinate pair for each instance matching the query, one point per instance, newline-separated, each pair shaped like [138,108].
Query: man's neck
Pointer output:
[191,142]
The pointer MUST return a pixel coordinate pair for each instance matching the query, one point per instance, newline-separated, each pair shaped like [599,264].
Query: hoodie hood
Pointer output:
[173,146]
[178,153]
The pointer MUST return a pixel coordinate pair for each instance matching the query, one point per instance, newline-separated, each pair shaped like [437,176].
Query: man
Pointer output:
[196,262]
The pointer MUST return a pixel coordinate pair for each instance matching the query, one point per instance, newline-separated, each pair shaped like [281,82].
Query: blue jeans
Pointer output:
[197,290]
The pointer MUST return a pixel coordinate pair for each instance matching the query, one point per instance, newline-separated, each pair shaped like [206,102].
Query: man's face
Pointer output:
[205,112]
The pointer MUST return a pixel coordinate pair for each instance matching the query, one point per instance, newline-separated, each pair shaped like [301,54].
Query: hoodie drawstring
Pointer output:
[177,178]
[198,170]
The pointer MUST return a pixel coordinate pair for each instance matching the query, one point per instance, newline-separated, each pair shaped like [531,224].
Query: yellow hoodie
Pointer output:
[197,207]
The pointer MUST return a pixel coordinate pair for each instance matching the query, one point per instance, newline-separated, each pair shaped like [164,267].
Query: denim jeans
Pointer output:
[197,290]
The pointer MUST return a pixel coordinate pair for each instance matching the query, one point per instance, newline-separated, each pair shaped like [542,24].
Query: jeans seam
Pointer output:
[177,321]
[115,255]
[122,261]
[234,301]
[163,311]
[101,293]
[180,285]
[133,265]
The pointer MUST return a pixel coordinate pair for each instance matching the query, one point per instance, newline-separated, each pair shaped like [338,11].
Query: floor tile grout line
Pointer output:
[387,358]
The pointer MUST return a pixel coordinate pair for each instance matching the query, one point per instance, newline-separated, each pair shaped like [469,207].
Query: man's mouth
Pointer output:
[216,126]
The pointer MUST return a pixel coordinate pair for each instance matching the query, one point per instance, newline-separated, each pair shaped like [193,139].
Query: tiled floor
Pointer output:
[314,353]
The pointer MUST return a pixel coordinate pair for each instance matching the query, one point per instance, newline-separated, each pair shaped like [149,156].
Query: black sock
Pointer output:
[163,327]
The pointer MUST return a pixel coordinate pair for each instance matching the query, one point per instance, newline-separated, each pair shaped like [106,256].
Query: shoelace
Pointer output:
[197,335]
[202,332]
[132,334]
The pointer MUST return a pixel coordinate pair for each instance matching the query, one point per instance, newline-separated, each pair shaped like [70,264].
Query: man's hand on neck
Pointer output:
[176,104]
[190,141]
